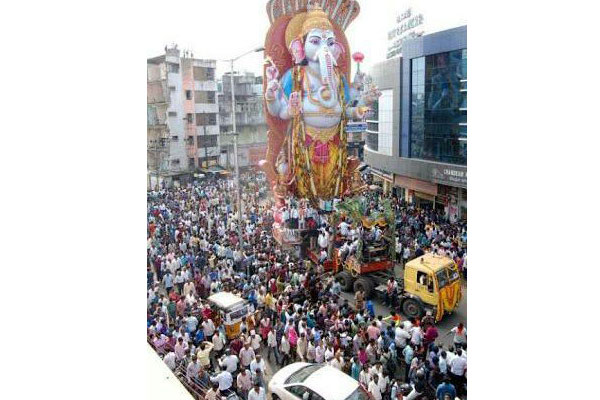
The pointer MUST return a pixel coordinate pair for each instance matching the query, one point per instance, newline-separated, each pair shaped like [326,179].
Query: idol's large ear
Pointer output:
[337,50]
[297,50]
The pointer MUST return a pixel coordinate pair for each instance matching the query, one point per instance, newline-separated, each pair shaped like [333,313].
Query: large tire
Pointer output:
[346,280]
[365,284]
[412,308]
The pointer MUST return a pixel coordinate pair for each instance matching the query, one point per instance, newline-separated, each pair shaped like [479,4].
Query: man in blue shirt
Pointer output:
[445,388]
[168,281]
[191,323]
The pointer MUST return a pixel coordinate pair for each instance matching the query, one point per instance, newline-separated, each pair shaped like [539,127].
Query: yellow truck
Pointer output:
[431,283]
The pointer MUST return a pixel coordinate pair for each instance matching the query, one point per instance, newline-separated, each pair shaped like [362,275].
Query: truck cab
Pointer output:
[431,283]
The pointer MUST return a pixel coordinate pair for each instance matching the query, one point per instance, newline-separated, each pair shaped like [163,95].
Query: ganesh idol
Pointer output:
[310,102]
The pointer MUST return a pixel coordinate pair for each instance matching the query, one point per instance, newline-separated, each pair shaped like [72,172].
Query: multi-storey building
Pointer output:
[250,120]
[183,128]
[417,138]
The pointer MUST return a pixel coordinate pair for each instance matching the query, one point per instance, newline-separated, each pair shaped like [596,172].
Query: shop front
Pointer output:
[386,180]
[415,191]
[454,201]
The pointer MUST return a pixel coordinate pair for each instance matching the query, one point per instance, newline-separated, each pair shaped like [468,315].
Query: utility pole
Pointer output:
[238,188]
[235,149]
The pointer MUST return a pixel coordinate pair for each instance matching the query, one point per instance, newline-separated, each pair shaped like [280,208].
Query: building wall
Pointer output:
[440,181]
[250,121]
[386,75]
[176,121]
[172,91]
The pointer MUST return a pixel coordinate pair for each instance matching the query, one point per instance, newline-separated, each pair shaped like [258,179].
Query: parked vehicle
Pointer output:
[314,382]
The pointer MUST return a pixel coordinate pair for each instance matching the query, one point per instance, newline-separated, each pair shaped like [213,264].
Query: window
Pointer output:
[204,97]
[442,277]
[207,140]
[175,138]
[297,390]
[204,74]
[385,122]
[302,374]
[172,89]
[358,394]
[188,94]
[424,280]
[208,161]
[439,107]
[175,161]
[206,119]
[190,118]
[174,68]
[191,162]
[172,113]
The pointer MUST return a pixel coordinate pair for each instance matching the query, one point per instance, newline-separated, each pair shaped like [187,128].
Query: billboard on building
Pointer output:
[409,25]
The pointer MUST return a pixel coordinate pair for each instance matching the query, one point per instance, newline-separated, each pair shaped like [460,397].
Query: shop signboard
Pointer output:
[449,176]
[353,127]
[407,25]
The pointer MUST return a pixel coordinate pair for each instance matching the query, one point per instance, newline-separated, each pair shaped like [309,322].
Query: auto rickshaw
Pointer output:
[231,310]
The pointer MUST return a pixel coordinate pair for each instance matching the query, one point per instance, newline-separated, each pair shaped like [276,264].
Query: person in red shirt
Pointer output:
[152,228]
[236,345]
[180,307]
[430,335]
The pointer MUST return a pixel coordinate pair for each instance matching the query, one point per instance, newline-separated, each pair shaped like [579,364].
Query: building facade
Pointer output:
[417,138]
[250,120]
[183,128]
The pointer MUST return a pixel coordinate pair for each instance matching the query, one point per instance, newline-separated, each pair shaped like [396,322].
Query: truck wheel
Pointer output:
[345,280]
[365,285]
[411,308]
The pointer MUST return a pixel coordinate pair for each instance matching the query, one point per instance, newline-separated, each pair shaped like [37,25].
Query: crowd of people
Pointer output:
[298,312]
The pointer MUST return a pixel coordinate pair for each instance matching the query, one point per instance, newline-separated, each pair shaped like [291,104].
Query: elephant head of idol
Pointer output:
[311,40]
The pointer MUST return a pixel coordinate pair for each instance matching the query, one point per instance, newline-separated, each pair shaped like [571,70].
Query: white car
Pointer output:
[304,381]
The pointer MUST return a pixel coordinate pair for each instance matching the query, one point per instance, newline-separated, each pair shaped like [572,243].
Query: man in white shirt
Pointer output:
[217,343]
[344,228]
[230,362]
[244,382]
[458,368]
[192,369]
[257,363]
[257,393]
[401,337]
[224,379]
[320,353]
[284,347]
[170,359]
[374,388]
[180,348]
[458,365]
[272,345]
[246,355]
[416,336]
[337,362]
[255,342]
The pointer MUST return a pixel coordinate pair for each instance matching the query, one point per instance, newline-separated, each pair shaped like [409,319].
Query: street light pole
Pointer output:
[235,149]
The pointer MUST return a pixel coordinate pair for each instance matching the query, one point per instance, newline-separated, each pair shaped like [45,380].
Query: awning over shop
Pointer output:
[416,185]
[381,175]
[424,196]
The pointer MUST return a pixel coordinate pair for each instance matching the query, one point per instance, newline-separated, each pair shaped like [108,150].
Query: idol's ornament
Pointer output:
[309,100]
